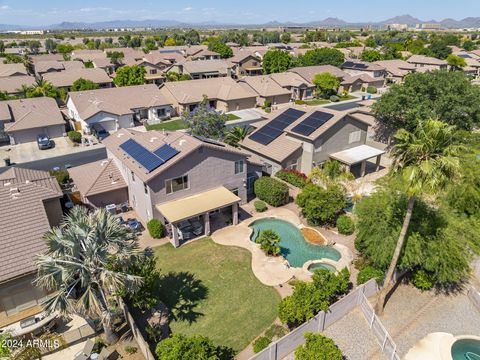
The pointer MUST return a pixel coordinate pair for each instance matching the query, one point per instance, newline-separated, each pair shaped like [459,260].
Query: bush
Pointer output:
[261,343]
[268,240]
[155,229]
[273,192]
[318,347]
[181,347]
[345,225]
[334,98]
[300,102]
[371,90]
[131,350]
[293,177]
[369,272]
[321,206]
[62,176]
[260,206]
[422,280]
[75,136]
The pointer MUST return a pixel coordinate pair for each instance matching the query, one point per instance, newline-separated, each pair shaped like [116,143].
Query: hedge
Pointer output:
[155,229]
[293,177]
[371,90]
[345,225]
[273,192]
[260,206]
[369,272]
[62,176]
[334,98]
[75,136]
[261,343]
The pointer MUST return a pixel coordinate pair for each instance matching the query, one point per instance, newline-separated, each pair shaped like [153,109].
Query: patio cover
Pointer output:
[188,207]
[356,154]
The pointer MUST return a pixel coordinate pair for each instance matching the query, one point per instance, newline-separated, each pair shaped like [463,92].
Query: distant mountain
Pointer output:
[402,19]
[328,22]
[118,24]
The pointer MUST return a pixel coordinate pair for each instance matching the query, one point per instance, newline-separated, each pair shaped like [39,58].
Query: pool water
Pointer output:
[466,349]
[316,266]
[293,246]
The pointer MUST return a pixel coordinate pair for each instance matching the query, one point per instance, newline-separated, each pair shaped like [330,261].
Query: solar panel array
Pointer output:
[312,123]
[266,134]
[344,106]
[149,160]
[353,65]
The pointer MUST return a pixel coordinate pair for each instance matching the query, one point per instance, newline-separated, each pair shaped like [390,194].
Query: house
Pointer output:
[205,54]
[65,79]
[300,139]
[116,108]
[12,70]
[98,58]
[180,179]
[154,65]
[42,67]
[22,120]
[223,94]
[267,89]
[99,183]
[245,63]
[396,69]
[12,85]
[300,88]
[29,207]
[202,69]
[357,67]
[425,63]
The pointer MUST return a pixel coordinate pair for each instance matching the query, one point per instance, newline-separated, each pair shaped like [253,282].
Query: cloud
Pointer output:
[93,9]
[188,8]
[4,7]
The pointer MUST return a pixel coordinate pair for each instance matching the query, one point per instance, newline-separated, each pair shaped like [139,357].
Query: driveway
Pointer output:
[247,117]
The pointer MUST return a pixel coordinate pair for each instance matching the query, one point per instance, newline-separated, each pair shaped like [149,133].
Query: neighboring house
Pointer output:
[425,63]
[116,108]
[245,63]
[205,54]
[29,207]
[154,66]
[22,120]
[43,67]
[297,139]
[99,183]
[223,94]
[396,69]
[175,177]
[357,67]
[300,88]
[472,61]
[65,79]
[267,90]
[12,70]
[202,69]
[97,57]
[12,85]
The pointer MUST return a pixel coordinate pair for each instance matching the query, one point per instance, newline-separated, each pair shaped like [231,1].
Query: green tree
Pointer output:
[115,57]
[204,121]
[50,45]
[44,88]
[64,48]
[170,42]
[268,240]
[469,45]
[318,347]
[181,347]
[426,160]
[286,37]
[130,75]
[83,84]
[224,50]
[2,47]
[276,61]
[438,49]
[327,84]
[456,62]
[174,76]
[237,134]
[322,56]
[77,257]
[192,37]
[371,55]
[331,173]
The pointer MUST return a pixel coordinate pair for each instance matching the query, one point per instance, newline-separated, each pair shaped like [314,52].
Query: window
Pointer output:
[145,188]
[177,184]
[309,93]
[354,136]
[161,112]
[235,191]
[133,176]
[238,166]
[292,165]
[153,71]
[254,63]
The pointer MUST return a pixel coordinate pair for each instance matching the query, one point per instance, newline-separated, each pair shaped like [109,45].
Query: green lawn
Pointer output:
[231,117]
[170,125]
[316,102]
[229,304]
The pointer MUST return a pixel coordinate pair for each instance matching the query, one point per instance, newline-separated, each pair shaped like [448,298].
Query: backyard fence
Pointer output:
[287,344]
[79,334]
[142,344]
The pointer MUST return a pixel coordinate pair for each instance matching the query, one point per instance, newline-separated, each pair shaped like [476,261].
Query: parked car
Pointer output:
[99,132]
[44,142]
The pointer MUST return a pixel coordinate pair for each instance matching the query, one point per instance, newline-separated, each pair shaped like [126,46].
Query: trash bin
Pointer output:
[7,161]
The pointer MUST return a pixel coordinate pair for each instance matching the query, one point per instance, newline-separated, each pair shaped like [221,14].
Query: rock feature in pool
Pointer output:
[293,246]
[313,236]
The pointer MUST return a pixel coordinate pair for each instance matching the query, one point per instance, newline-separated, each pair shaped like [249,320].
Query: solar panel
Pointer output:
[343,106]
[269,132]
[166,152]
[141,155]
[359,66]
[312,123]
[347,64]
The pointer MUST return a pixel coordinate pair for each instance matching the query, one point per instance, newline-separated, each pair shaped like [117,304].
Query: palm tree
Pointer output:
[24,90]
[237,134]
[43,88]
[27,62]
[426,160]
[77,261]
[332,172]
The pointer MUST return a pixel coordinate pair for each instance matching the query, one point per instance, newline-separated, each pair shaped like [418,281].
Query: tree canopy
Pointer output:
[275,61]
[204,121]
[224,50]
[318,347]
[371,55]
[321,56]
[83,84]
[130,75]
[181,347]
[456,62]
[327,84]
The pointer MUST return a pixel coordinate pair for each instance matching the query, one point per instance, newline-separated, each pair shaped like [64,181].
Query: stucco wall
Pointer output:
[118,196]
[238,104]
[30,135]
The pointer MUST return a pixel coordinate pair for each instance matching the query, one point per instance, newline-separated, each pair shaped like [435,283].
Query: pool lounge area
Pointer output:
[445,346]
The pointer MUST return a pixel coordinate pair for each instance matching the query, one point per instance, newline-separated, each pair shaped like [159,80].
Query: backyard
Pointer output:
[230,305]
[178,124]
[316,102]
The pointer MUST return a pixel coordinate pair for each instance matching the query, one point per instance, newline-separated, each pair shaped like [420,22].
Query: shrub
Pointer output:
[318,347]
[156,229]
[345,225]
[261,343]
[75,136]
[273,192]
[371,90]
[181,347]
[260,206]
[369,272]
[422,280]
[131,350]
[300,102]
[334,98]
[268,240]
[293,177]
[62,176]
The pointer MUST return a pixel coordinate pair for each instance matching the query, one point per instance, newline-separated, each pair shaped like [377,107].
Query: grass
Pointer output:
[169,125]
[316,102]
[231,117]
[237,307]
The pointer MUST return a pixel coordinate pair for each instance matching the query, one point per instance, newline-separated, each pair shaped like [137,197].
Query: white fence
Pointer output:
[142,344]
[287,344]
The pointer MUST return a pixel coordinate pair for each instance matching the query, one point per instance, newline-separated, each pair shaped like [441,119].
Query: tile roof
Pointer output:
[309,72]
[205,66]
[23,218]
[52,65]
[67,77]
[396,67]
[11,84]
[367,65]
[265,86]
[118,101]
[12,70]
[288,79]
[421,59]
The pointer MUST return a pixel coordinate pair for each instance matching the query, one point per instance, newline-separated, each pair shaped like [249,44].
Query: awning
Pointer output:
[198,204]
[356,154]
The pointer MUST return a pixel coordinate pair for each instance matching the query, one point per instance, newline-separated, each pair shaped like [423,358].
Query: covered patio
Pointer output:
[359,155]
[177,212]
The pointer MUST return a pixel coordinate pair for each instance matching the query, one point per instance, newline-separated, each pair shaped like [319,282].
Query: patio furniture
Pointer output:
[134,224]
[111,208]
[119,220]
[84,354]
[197,227]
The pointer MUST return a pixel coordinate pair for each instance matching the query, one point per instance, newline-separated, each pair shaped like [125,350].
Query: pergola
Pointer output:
[359,154]
[203,203]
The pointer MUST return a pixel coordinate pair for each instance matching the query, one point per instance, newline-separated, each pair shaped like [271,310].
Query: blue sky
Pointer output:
[42,12]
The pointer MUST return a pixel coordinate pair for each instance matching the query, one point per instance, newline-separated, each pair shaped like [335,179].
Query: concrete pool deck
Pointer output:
[270,270]
[435,346]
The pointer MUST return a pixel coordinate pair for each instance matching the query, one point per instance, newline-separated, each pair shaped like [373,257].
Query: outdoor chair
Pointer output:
[86,351]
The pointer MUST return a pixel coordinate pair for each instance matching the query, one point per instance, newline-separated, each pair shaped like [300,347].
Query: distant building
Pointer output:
[399,27]
[429,26]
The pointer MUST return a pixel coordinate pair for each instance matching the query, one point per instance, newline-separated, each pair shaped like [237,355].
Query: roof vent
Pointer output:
[153,139]
[7,184]
[119,135]
[182,141]
[104,162]
[14,190]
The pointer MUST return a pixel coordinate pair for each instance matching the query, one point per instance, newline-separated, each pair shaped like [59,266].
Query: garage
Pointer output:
[30,135]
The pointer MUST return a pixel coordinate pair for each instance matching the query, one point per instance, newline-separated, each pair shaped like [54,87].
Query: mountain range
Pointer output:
[469,22]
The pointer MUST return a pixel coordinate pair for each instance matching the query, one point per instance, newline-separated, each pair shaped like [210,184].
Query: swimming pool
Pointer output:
[466,349]
[293,246]
[324,266]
